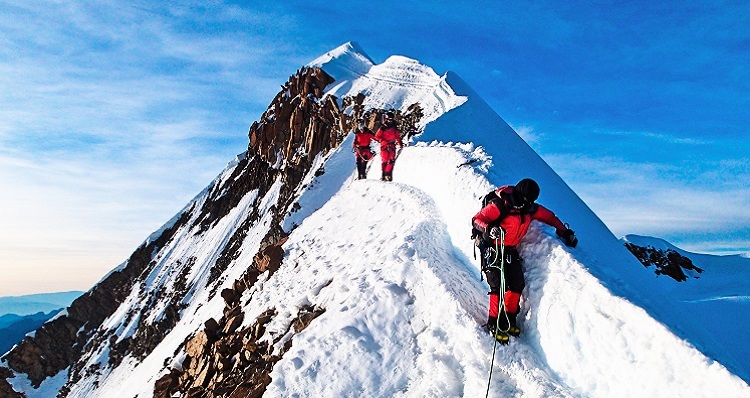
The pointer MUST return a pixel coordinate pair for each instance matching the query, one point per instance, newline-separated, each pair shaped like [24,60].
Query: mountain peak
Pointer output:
[346,61]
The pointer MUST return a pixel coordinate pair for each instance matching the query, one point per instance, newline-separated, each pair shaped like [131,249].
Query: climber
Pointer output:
[498,227]
[389,136]
[361,147]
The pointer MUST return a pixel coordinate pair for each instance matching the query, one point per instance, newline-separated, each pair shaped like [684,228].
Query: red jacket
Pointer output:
[362,138]
[388,136]
[515,223]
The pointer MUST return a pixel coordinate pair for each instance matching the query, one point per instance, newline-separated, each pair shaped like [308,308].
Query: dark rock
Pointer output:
[269,259]
[198,345]
[233,323]
[230,297]
[248,391]
[305,316]
[669,262]
[211,327]
[166,386]
[6,390]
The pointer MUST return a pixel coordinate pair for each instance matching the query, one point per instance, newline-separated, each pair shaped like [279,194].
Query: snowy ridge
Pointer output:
[345,62]
[392,264]
[404,303]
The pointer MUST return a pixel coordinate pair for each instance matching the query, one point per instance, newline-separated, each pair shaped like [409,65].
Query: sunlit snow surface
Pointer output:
[392,264]
[405,303]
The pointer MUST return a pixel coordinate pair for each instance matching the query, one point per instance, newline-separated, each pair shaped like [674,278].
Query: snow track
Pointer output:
[401,308]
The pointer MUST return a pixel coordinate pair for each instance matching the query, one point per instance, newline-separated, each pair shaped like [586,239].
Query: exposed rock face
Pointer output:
[298,125]
[669,262]
[222,361]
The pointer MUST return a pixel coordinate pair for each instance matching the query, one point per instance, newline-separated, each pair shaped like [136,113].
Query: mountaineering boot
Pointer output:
[514,331]
[506,323]
[497,334]
[513,328]
[501,337]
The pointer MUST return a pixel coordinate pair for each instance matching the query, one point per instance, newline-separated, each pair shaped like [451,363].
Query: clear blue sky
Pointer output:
[113,115]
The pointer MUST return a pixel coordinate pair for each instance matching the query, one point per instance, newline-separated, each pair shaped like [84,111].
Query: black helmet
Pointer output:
[526,192]
[389,117]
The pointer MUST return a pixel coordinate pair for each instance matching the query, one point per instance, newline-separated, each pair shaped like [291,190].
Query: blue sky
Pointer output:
[113,116]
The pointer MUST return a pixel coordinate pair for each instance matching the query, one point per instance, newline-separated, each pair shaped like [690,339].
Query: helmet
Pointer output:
[526,191]
[361,124]
[389,118]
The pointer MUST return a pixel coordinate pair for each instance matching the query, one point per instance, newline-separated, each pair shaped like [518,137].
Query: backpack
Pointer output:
[491,196]
[480,241]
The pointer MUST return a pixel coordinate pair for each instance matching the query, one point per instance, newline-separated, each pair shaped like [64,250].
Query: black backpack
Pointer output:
[481,241]
[477,236]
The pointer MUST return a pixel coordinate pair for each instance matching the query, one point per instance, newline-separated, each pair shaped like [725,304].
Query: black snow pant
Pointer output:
[514,284]
[361,168]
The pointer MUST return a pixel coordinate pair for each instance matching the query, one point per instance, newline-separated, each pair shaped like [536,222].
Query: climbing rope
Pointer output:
[502,289]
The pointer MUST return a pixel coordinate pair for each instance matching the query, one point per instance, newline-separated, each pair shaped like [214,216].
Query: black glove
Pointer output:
[496,232]
[569,238]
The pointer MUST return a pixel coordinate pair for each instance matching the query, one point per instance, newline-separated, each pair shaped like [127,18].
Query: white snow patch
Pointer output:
[49,387]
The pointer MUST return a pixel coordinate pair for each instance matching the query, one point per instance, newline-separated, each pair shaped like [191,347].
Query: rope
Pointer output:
[502,289]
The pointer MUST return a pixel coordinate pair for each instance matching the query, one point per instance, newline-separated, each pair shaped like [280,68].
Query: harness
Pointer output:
[478,236]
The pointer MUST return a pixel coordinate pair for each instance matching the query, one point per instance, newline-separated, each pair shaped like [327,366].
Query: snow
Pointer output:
[135,377]
[345,63]
[393,266]
[396,83]
[316,191]
[47,389]
[404,303]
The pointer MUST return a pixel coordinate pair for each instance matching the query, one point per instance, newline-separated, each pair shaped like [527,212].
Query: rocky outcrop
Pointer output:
[299,123]
[666,262]
[223,360]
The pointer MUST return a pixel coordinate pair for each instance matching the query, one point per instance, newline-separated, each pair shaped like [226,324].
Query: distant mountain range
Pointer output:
[13,327]
[20,315]
[35,303]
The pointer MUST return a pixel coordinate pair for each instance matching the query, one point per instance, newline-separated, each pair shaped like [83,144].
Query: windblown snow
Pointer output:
[393,265]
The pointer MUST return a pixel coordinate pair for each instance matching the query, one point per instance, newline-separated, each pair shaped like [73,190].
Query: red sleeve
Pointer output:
[548,217]
[485,216]
[398,134]
[379,135]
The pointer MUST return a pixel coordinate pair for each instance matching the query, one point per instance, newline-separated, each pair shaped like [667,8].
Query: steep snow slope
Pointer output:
[188,254]
[715,298]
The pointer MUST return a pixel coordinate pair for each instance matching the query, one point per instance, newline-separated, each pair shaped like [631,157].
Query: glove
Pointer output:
[569,238]
[496,232]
